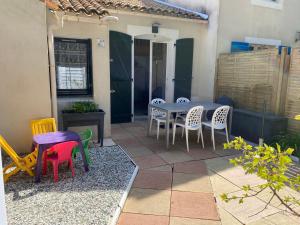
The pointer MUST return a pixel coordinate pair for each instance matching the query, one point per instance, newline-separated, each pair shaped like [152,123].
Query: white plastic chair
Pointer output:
[192,122]
[218,122]
[181,115]
[158,116]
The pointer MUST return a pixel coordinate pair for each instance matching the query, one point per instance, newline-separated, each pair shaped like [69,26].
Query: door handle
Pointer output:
[112,91]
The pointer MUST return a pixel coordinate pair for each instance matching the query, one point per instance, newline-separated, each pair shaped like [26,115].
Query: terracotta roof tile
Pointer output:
[101,7]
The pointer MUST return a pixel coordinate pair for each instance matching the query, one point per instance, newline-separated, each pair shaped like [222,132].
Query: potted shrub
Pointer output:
[84,114]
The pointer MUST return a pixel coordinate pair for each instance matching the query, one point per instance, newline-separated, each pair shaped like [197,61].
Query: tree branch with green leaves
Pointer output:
[271,165]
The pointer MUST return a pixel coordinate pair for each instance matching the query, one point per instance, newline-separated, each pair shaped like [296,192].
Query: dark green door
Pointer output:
[120,76]
[183,68]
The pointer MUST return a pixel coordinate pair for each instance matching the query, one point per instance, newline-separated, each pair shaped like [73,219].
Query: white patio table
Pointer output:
[170,108]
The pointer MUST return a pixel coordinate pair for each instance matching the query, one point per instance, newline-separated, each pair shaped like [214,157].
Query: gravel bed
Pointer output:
[88,198]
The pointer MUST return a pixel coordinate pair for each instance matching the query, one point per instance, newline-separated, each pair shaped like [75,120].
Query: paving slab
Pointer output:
[220,185]
[175,156]
[153,180]
[141,219]
[148,201]
[193,205]
[188,221]
[192,167]
[227,218]
[192,183]
[138,151]
[149,161]
[251,210]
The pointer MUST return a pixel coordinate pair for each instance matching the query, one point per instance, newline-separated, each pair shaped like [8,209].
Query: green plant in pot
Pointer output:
[84,107]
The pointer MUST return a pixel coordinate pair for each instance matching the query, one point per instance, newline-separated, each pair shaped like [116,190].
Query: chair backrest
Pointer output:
[194,118]
[182,100]
[85,137]
[219,119]
[9,150]
[63,150]
[156,112]
[43,126]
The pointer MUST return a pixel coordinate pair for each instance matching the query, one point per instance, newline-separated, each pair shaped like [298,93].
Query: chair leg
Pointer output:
[187,139]
[157,131]
[87,156]
[55,171]
[174,133]
[213,138]
[226,131]
[71,167]
[182,132]
[150,127]
[201,134]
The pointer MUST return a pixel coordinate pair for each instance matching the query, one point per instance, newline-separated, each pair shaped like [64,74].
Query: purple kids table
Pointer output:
[47,140]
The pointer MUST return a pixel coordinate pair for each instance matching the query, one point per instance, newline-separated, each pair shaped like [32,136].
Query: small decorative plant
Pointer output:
[289,140]
[270,164]
[84,107]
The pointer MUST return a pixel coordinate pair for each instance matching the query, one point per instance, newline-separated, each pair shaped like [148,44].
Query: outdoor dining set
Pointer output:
[48,146]
[190,116]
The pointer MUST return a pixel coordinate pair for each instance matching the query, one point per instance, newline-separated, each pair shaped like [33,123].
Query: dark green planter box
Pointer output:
[248,124]
[72,119]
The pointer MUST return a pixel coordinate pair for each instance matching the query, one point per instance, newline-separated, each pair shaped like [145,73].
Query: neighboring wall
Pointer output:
[24,83]
[239,18]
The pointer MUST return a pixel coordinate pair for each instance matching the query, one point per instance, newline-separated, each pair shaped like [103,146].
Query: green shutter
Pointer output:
[120,76]
[183,68]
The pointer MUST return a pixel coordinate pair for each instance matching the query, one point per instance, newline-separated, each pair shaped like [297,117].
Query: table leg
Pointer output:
[167,126]
[86,165]
[149,120]
[100,134]
[38,166]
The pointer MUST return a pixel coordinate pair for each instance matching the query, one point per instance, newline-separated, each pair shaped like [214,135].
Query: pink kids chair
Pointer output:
[59,153]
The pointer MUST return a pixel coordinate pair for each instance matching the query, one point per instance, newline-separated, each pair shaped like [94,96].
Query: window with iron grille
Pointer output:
[73,63]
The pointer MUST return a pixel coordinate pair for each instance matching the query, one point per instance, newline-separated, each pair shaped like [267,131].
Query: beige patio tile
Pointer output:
[140,219]
[218,164]
[238,177]
[227,218]
[194,205]
[283,219]
[261,222]
[188,221]
[250,211]
[266,195]
[148,201]
[138,151]
[175,156]
[221,185]
[191,182]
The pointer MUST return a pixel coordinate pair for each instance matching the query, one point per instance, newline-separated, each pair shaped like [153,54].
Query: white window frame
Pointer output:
[268,4]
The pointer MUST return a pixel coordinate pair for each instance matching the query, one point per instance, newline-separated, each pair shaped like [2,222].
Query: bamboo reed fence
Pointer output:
[250,78]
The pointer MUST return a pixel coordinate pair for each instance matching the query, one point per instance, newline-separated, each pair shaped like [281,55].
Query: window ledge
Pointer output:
[268,4]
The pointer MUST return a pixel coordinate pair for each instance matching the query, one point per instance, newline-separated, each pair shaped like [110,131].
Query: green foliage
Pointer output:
[84,107]
[290,140]
[270,164]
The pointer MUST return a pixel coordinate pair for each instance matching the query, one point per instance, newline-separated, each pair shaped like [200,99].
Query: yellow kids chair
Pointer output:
[43,126]
[26,163]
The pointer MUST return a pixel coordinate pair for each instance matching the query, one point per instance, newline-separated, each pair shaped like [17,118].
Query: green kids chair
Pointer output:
[85,137]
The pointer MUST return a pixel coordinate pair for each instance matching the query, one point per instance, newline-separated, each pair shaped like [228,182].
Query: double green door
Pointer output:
[121,73]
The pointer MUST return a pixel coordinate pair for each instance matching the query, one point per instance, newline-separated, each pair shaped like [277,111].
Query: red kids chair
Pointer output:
[59,153]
